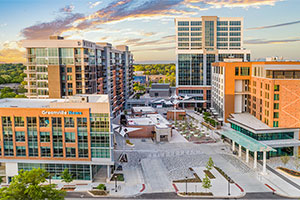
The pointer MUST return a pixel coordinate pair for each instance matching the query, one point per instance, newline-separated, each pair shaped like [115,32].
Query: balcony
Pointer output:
[29,79]
[30,71]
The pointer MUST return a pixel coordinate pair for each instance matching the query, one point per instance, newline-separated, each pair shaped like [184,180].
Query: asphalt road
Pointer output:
[171,195]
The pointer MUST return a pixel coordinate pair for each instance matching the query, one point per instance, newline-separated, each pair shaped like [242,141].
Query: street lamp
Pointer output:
[116,188]
[228,186]
[186,185]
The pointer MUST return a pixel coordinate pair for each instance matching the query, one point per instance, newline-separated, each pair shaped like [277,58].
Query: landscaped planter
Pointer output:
[290,172]
[129,143]
[96,192]
[196,194]
[120,177]
[209,174]
[224,174]
[68,188]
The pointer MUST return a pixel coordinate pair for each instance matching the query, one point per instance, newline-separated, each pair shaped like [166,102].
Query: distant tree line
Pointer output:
[159,69]
[12,73]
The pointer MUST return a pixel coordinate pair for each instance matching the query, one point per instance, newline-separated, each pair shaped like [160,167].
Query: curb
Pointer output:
[143,188]
[212,197]
[280,194]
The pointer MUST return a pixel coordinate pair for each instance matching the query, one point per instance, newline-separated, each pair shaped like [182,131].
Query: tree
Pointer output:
[206,184]
[210,164]
[297,162]
[1,180]
[66,176]
[285,159]
[30,185]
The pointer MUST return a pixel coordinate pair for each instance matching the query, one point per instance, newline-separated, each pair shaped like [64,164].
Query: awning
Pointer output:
[246,141]
[282,143]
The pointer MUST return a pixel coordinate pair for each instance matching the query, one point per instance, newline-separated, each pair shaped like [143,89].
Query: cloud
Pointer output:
[274,26]
[44,30]
[155,49]
[3,25]
[67,9]
[263,41]
[93,5]
[12,56]
[119,10]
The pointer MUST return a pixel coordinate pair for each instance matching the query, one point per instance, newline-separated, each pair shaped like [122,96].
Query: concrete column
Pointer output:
[240,150]
[108,171]
[255,160]
[233,145]
[247,155]
[264,162]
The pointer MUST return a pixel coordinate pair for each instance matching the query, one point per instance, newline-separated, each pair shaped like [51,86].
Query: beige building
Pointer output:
[57,67]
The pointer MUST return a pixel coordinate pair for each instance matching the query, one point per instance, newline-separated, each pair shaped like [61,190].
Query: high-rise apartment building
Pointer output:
[55,134]
[261,100]
[58,67]
[200,42]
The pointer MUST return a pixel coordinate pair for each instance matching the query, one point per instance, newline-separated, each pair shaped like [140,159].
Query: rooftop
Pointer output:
[144,109]
[149,120]
[248,120]
[45,103]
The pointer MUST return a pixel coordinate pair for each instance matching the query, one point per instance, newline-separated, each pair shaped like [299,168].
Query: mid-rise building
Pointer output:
[200,42]
[57,67]
[261,100]
[55,134]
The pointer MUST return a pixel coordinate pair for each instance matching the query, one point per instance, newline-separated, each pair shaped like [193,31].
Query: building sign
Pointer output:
[61,112]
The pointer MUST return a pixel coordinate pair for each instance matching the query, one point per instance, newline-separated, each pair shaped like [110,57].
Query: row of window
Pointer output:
[98,123]
[199,23]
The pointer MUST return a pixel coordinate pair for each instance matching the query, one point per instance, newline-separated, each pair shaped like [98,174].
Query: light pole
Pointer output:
[228,186]
[186,185]
[116,188]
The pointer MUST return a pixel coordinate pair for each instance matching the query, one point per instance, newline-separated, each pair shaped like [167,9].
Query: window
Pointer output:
[70,152]
[20,136]
[69,122]
[235,28]
[276,88]
[196,29]
[222,23]
[44,136]
[44,121]
[276,96]
[99,140]
[100,153]
[81,122]
[196,23]
[276,114]
[69,77]
[245,71]
[237,71]
[69,137]
[21,151]
[276,105]
[235,33]
[183,34]
[19,121]
[56,122]
[69,69]
[31,122]
[183,29]
[275,123]
[235,23]
[45,152]
[183,23]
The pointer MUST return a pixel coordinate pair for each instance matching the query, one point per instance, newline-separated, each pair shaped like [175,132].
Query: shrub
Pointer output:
[101,187]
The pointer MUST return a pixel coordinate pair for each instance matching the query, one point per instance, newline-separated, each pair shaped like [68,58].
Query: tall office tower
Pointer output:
[58,67]
[200,42]
[54,134]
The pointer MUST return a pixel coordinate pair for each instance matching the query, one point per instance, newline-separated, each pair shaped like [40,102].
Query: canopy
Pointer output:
[246,141]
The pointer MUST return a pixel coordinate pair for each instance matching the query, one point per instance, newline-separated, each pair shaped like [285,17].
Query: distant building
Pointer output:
[160,90]
[200,42]
[150,126]
[59,67]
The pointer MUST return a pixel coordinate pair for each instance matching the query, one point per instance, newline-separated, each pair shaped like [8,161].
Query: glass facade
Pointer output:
[79,172]
[269,136]
[190,69]
[209,33]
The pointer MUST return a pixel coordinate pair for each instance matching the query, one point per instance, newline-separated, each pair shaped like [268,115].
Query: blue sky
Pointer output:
[272,27]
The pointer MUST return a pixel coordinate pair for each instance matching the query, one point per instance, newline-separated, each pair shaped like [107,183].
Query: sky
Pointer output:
[271,27]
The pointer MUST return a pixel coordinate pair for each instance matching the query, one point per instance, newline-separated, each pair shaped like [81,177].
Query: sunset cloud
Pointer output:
[275,25]
[279,41]
[130,9]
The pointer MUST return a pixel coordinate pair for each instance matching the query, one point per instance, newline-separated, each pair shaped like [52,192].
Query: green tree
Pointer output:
[161,81]
[1,179]
[285,159]
[206,184]
[29,185]
[209,164]
[66,176]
